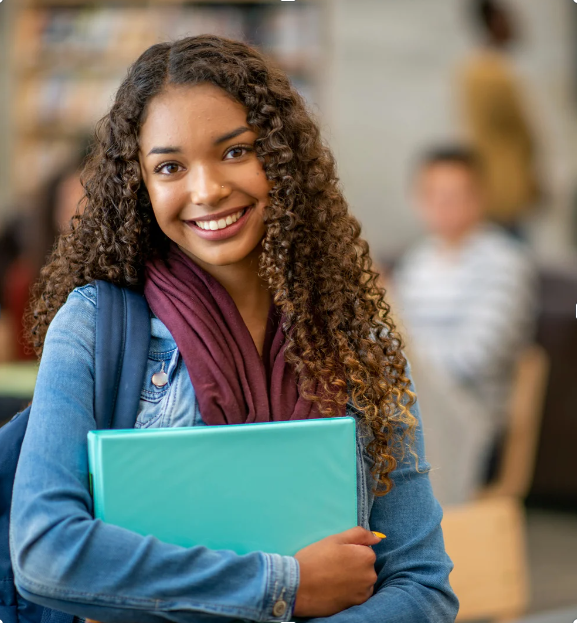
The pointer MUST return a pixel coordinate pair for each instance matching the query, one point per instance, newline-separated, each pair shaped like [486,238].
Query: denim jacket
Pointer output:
[65,559]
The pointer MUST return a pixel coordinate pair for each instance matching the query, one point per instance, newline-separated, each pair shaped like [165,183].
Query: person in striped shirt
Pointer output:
[466,295]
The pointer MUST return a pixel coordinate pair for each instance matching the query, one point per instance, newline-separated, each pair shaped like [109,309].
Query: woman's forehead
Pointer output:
[203,110]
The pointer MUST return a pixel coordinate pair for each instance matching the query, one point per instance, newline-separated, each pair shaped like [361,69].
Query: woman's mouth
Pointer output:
[221,223]
[221,228]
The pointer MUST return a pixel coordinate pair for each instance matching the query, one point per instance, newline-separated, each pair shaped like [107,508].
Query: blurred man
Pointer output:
[496,121]
[466,296]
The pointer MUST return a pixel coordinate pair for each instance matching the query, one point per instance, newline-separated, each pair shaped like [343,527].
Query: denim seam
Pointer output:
[147,393]
[163,404]
[169,408]
[161,355]
[294,578]
[196,417]
[89,297]
[147,423]
[269,580]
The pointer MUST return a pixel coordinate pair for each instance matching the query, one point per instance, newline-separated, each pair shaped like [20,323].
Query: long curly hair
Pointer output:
[318,268]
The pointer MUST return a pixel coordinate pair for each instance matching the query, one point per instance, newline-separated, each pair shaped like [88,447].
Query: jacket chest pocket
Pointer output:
[158,385]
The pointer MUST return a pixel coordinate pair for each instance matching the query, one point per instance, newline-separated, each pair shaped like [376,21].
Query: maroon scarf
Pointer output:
[233,384]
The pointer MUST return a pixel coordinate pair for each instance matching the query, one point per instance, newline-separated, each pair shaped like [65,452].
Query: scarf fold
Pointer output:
[233,385]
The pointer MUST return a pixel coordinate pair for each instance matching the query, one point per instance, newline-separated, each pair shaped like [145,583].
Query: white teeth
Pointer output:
[221,223]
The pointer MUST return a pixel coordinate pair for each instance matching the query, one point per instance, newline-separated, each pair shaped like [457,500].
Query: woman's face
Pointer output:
[207,188]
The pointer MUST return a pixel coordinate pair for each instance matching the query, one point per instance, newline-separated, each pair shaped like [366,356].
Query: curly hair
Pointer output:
[318,268]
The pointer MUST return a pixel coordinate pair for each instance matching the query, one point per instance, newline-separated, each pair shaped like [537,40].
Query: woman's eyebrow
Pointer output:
[233,134]
[164,150]
[177,150]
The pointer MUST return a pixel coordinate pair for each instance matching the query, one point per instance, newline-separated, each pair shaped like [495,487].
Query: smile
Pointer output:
[222,223]
[223,228]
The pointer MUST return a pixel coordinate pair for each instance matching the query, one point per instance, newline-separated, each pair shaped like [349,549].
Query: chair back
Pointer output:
[517,461]
[487,542]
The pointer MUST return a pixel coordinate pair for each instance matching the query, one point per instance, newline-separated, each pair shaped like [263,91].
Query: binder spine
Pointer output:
[94,479]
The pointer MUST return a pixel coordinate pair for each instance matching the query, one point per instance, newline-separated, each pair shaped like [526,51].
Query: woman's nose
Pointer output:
[206,186]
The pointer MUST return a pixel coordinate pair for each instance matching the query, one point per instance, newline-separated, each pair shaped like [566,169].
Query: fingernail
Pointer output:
[379,534]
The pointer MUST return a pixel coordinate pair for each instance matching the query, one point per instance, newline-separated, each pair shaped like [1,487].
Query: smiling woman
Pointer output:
[211,192]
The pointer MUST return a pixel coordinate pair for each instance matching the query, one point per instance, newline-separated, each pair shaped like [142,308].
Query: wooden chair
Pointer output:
[517,462]
[486,541]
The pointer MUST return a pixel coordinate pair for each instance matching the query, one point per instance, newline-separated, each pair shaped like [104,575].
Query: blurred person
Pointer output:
[467,298]
[496,122]
[40,228]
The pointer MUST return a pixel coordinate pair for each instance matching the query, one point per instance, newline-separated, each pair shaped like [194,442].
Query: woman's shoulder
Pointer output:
[72,330]
[79,304]
[77,313]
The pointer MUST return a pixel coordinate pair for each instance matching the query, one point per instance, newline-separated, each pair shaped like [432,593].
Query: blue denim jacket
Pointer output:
[65,559]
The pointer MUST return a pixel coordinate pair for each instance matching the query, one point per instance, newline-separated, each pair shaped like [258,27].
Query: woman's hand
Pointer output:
[336,573]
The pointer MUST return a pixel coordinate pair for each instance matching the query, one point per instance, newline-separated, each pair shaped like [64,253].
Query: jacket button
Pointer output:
[279,608]
[160,379]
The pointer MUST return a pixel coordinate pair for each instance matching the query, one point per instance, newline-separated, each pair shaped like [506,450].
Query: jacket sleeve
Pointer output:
[65,559]
[412,565]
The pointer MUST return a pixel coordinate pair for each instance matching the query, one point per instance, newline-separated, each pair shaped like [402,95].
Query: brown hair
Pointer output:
[318,268]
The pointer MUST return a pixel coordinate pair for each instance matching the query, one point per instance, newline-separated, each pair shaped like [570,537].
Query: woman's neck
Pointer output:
[242,282]
[249,292]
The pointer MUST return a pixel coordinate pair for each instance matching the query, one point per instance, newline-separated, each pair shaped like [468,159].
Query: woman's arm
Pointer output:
[65,559]
[412,565]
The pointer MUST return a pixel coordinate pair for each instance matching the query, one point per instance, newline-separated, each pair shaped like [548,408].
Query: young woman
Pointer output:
[210,191]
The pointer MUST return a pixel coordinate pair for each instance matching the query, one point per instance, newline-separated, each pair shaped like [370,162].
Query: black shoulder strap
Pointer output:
[122,343]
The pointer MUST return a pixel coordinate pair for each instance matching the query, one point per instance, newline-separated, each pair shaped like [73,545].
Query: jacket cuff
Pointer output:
[282,581]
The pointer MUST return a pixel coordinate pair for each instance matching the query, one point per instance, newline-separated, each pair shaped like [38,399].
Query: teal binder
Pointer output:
[274,487]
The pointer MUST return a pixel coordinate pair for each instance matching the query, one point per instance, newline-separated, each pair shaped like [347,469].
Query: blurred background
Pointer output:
[454,128]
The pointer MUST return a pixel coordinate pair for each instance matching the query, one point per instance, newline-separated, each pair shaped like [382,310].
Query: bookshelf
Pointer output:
[69,56]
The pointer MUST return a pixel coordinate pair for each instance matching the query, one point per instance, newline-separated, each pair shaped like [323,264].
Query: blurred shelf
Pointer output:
[51,131]
[70,56]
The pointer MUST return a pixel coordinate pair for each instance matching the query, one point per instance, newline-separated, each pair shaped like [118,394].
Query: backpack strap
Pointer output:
[122,343]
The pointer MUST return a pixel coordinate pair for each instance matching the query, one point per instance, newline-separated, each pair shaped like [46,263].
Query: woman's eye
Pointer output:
[167,168]
[238,148]
[170,168]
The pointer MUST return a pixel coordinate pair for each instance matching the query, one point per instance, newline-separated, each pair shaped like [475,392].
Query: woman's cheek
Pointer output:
[167,203]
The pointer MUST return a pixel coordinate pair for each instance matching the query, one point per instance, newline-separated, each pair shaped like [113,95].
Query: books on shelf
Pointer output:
[69,60]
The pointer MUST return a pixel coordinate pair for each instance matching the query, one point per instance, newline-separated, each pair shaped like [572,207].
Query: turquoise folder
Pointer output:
[274,487]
